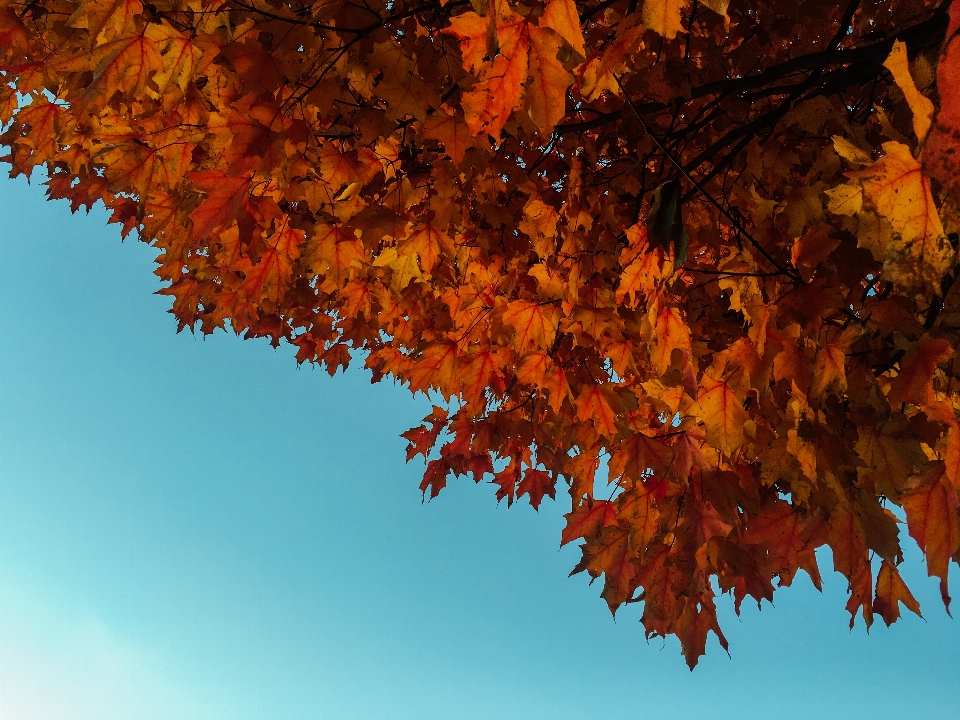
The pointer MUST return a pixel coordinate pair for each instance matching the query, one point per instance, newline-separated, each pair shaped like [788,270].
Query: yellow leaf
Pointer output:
[663,16]
[850,152]
[918,253]
[405,267]
[920,105]
[718,6]
[845,200]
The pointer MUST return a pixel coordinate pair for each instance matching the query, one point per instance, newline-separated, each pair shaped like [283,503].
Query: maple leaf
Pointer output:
[920,106]
[561,17]
[639,456]
[593,406]
[934,522]
[638,508]
[914,383]
[698,619]
[941,155]
[534,325]
[491,101]
[536,484]
[917,254]
[270,277]
[587,519]
[610,556]
[547,88]
[224,195]
[723,414]
[891,591]
[671,333]
[663,16]
[452,132]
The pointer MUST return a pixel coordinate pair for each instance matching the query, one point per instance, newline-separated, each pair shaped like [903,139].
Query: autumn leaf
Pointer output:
[451,132]
[941,157]
[224,196]
[593,406]
[917,253]
[561,17]
[490,102]
[534,325]
[934,522]
[663,17]
[535,485]
[920,106]
[914,383]
[722,414]
[639,456]
[671,333]
[891,591]
[547,87]
[270,277]
[587,519]
[610,556]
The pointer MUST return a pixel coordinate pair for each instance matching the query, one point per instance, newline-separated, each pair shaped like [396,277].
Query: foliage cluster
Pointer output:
[710,244]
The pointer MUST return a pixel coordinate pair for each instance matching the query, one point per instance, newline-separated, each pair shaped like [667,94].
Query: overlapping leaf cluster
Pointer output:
[708,246]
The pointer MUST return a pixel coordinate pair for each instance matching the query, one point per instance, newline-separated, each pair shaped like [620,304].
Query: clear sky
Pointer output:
[198,528]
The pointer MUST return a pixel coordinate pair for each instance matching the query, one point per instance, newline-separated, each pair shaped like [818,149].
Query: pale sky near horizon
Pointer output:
[198,528]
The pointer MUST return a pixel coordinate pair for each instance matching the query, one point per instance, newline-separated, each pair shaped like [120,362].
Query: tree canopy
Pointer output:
[709,246]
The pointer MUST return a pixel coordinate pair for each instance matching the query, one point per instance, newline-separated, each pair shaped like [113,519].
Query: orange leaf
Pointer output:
[610,555]
[480,372]
[914,384]
[534,325]
[941,160]
[488,104]
[332,252]
[723,415]
[546,91]
[222,204]
[536,484]
[918,254]
[637,507]
[593,407]
[699,617]
[429,244]
[663,16]
[891,591]
[270,277]
[587,520]
[637,456]
[451,131]
[933,521]
[436,367]
[561,17]
[671,333]
[920,106]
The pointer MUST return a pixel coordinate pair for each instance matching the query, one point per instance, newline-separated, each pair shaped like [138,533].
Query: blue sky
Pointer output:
[198,528]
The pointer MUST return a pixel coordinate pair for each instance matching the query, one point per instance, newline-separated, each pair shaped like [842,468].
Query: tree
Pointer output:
[710,244]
